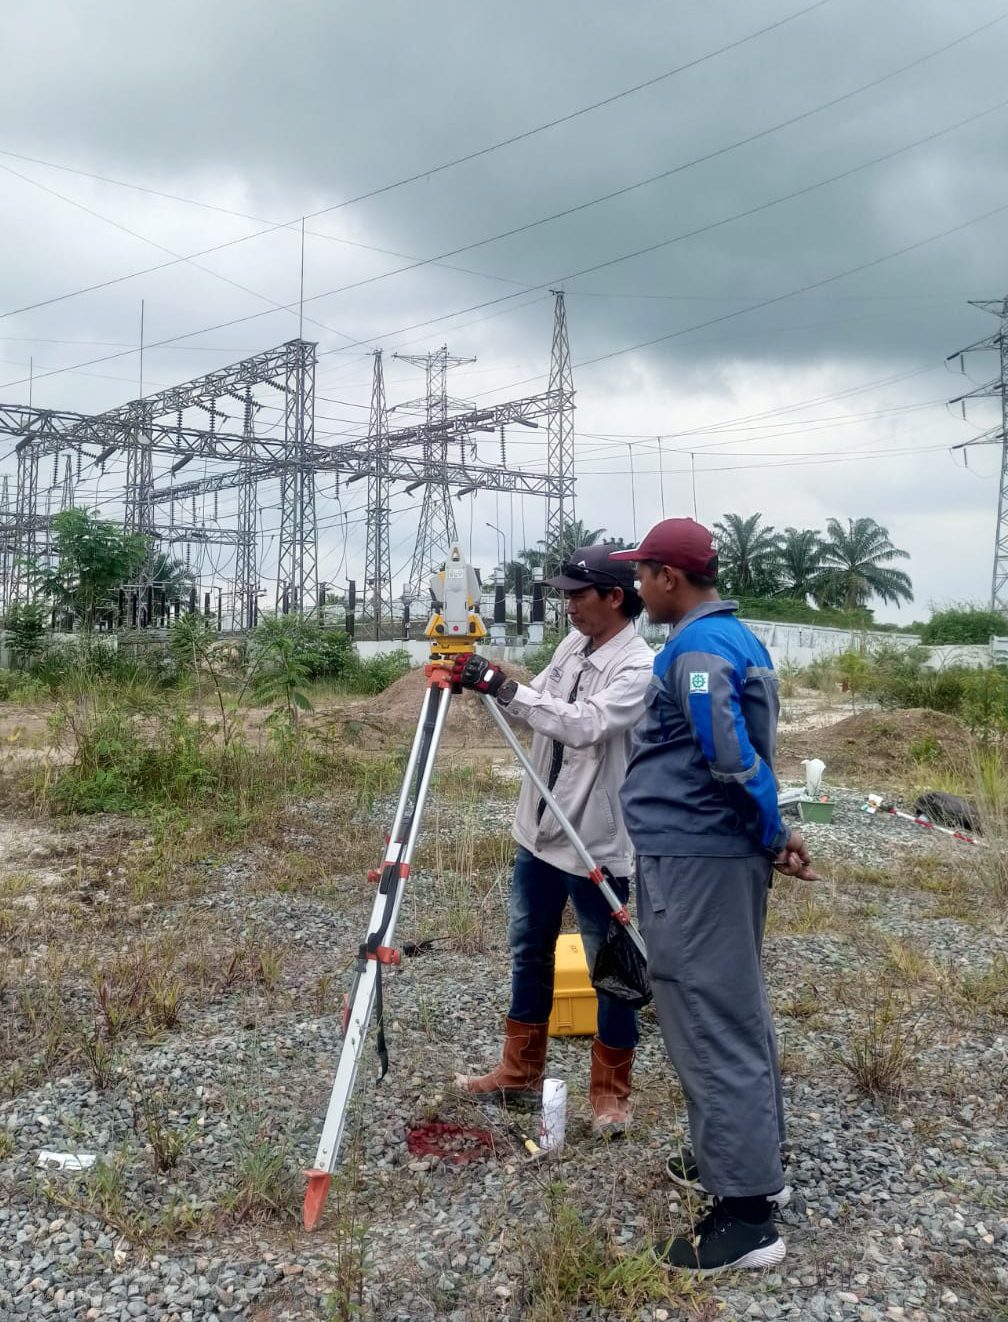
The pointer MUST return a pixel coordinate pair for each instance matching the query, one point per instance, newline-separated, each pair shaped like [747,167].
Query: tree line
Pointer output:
[843,568]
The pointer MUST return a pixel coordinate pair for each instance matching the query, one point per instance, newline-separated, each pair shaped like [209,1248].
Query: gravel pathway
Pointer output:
[899,1209]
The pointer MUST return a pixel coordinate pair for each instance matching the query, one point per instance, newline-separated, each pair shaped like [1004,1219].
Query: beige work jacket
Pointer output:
[595,732]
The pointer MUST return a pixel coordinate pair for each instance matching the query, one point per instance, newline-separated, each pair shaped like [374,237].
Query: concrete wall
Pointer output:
[796,645]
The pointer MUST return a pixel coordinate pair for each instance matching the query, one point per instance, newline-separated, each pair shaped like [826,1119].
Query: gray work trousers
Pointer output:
[702,920]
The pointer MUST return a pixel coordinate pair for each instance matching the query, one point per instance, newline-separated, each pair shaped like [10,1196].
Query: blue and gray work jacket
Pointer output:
[700,777]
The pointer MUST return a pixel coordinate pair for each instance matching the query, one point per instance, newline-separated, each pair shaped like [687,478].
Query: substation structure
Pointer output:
[251,426]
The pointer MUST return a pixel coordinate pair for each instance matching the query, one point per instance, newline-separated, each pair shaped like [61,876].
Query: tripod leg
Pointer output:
[376,949]
[619,909]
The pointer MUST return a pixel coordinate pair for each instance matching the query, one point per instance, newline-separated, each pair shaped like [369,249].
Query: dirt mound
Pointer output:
[395,712]
[877,745]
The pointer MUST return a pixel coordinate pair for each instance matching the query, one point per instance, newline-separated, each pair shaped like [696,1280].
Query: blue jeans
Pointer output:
[539,893]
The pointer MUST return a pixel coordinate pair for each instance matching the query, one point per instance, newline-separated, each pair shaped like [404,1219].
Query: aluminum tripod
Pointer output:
[453,629]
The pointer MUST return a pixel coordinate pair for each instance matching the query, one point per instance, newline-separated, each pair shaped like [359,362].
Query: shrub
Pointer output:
[375,674]
[538,658]
[964,623]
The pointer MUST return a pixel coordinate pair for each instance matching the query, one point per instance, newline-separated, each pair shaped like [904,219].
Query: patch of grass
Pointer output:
[6,1144]
[882,1055]
[907,962]
[987,992]
[803,1003]
[100,1058]
[256,961]
[470,868]
[151,1122]
[266,1184]
[798,907]
[571,1266]
[103,1192]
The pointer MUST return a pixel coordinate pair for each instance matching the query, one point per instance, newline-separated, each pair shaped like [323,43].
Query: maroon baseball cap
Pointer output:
[681,543]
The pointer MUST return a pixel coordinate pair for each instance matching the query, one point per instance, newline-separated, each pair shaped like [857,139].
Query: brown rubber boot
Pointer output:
[609,1088]
[519,1076]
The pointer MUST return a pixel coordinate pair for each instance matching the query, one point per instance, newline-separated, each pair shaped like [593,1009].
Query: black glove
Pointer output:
[477,673]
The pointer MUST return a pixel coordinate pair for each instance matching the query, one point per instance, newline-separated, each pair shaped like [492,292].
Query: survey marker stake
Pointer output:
[453,629]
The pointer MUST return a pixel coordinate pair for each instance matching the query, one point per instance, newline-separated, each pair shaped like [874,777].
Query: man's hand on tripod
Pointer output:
[471,671]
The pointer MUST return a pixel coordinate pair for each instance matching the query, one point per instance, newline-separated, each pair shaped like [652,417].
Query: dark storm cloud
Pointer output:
[281,110]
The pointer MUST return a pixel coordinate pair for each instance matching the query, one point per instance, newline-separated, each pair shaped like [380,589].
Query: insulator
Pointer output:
[194,508]
[503,451]
[78,465]
[55,469]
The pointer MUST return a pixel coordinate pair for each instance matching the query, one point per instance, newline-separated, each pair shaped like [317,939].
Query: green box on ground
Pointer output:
[809,810]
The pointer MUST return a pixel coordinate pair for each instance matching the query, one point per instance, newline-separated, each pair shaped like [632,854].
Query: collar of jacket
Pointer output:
[721,607]
[600,657]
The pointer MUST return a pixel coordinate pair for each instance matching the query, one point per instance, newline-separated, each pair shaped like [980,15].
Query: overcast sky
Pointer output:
[833,196]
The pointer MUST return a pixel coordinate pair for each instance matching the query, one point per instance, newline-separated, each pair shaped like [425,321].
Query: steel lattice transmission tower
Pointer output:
[437,531]
[246,584]
[999,435]
[560,437]
[297,567]
[377,567]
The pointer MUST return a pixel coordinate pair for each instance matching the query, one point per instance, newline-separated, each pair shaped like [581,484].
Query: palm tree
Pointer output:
[801,562]
[855,567]
[748,556]
[575,534]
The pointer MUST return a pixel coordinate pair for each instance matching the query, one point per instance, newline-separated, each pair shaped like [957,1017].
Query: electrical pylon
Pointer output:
[246,586]
[377,567]
[297,566]
[999,435]
[560,438]
[436,532]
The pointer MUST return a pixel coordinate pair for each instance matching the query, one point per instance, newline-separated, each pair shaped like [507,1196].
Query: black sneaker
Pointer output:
[721,1242]
[682,1168]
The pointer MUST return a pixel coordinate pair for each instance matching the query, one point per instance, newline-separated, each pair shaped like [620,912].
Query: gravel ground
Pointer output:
[899,1208]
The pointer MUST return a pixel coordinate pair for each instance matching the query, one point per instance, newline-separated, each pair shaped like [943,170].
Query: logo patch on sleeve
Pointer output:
[699,681]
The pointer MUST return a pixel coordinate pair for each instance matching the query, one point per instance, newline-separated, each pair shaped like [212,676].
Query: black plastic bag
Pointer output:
[948,810]
[620,969]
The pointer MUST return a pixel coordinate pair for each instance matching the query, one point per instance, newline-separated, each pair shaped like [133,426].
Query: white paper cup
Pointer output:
[554,1115]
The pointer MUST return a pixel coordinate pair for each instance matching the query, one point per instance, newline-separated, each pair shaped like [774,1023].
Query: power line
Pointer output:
[440,169]
[561,214]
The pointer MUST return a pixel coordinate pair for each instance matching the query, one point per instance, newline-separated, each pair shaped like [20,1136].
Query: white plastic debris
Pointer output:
[554,1115]
[814,768]
[66,1161]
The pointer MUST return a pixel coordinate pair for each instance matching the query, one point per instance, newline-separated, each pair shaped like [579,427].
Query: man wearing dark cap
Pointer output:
[580,709]
[700,804]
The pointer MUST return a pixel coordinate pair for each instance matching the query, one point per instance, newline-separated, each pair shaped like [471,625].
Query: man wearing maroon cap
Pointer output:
[700,805]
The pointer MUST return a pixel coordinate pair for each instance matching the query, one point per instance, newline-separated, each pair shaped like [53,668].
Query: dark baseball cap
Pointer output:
[681,543]
[591,566]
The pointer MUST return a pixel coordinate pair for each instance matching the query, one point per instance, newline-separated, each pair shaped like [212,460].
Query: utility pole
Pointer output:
[993,389]
[437,531]
[377,568]
[560,439]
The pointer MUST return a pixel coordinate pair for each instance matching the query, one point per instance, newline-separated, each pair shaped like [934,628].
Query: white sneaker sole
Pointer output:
[755,1260]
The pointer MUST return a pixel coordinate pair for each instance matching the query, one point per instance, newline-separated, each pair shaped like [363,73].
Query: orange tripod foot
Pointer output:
[315,1196]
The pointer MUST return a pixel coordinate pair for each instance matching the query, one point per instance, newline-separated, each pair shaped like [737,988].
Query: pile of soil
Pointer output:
[394,713]
[876,746]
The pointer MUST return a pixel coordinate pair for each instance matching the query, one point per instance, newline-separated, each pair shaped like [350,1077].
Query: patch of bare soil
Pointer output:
[393,715]
[876,745]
